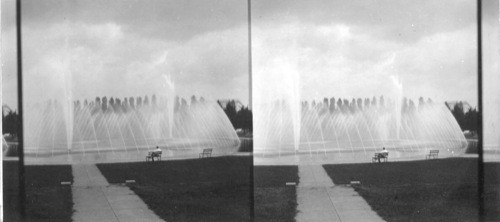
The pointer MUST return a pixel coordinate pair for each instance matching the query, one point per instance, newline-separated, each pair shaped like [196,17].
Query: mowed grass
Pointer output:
[46,198]
[433,190]
[274,201]
[209,189]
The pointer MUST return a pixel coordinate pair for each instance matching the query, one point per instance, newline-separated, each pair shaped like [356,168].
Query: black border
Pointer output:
[480,168]
[22,183]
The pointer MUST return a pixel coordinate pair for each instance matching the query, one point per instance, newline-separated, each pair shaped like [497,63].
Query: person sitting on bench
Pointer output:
[156,153]
[383,154]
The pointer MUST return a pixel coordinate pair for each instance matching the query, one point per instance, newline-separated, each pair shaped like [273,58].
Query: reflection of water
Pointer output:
[360,127]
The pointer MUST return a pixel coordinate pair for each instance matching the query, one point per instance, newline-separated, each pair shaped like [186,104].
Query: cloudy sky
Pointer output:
[123,48]
[361,48]
[348,49]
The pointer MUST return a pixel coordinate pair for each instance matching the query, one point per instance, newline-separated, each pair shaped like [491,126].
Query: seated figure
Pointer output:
[383,154]
[156,153]
[157,150]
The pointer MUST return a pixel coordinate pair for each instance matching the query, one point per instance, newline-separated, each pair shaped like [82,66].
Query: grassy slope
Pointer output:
[273,200]
[210,189]
[47,199]
[436,190]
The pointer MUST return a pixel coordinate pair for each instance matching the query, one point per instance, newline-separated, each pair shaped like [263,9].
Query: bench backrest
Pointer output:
[207,150]
[155,153]
[383,154]
[434,151]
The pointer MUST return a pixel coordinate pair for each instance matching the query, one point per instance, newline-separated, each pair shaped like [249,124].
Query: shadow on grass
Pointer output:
[209,189]
[274,201]
[434,190]
[46,198]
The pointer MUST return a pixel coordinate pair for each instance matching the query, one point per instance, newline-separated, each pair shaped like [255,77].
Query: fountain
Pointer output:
[355,129]
[126,128]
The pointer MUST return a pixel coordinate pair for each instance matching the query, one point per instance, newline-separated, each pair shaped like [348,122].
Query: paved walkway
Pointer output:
[96,200]
[320,200]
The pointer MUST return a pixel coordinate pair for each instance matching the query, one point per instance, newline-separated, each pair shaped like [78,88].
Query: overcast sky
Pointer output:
[337,48]
[356,48]
[122,48]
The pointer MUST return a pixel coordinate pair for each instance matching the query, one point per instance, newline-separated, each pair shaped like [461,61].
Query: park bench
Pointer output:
[206,153]
[152,154]
[378,156]
[432,154]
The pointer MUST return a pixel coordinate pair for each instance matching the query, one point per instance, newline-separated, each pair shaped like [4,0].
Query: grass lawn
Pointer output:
[209,189]
[46,198]
[273,200]
[434,190]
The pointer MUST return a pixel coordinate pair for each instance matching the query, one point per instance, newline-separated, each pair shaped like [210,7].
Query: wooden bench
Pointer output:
[378,156]
[432,154]
[151,155]
[206,153]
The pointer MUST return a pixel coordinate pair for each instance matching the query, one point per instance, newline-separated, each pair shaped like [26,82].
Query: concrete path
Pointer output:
[320,200]
[96,200]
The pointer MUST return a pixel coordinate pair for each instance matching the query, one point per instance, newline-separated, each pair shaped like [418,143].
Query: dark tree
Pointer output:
[458,113]
[244,119]
[332,104]
[146,101]
[471,117]
[112,103]
[230,111]
[104,104]
[10,122]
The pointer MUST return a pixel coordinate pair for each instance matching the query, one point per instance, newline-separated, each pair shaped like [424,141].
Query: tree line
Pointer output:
[240,119]
[466,119]
[10,121]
